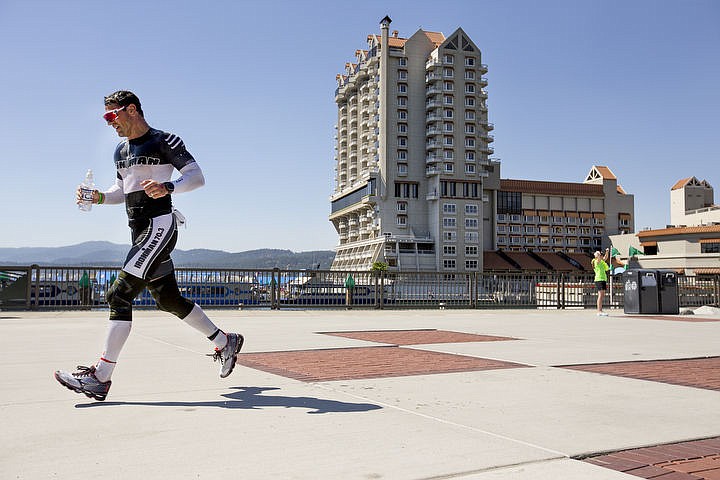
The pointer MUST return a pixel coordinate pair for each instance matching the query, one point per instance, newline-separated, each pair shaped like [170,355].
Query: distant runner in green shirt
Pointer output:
[601,267]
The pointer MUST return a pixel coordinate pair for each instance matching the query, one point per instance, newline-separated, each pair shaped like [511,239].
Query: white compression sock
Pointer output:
[117,334]
[199,321]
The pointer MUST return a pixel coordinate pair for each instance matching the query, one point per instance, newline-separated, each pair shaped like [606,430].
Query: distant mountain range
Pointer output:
[112,254]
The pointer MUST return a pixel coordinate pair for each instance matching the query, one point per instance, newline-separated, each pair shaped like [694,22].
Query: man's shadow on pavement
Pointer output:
[251,398]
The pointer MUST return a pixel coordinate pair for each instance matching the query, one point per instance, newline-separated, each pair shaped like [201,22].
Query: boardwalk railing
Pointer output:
[34,287]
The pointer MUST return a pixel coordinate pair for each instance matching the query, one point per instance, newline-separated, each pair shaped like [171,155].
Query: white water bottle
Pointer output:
[86,192]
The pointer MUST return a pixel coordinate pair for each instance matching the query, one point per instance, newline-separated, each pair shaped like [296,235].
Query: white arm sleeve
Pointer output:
[191,177]
[115,194]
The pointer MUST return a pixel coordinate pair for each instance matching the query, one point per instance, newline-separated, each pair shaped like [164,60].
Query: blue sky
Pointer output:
[249,86]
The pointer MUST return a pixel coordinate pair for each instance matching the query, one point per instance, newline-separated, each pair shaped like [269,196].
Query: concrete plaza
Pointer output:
[337,394]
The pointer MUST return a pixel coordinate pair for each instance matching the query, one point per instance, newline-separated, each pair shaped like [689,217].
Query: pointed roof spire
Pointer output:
[385,22]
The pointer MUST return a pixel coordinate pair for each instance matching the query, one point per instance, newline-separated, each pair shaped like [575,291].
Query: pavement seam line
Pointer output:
[448,422]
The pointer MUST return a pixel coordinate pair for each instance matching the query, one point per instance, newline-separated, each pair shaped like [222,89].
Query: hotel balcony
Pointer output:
[433,104]
[432,171]
[433,117]
[483,81]
[433,131]
[432,159]
[489,126]
[432,63]
[483,68]
[433,77]
[432,196]
[488,138]
[432,144]
[487,150]
[433,90]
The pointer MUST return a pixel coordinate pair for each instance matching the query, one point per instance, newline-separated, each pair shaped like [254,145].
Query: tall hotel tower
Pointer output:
[414,186]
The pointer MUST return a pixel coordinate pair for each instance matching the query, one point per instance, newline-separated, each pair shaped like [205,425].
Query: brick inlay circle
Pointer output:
[417,337]
[365,362]
[696,372]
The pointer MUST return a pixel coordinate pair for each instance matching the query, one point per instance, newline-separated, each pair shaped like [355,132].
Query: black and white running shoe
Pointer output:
[84,381]
[228,355]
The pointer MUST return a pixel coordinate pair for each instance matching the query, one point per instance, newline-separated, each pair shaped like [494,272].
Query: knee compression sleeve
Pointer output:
[168,298]
[121,295]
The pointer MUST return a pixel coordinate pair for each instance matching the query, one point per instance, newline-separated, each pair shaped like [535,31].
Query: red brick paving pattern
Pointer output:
[695,460]
[417,337]
[697,372]
[365,362]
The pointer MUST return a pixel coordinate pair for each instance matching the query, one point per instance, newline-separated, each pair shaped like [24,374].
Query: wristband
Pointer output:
[101,198]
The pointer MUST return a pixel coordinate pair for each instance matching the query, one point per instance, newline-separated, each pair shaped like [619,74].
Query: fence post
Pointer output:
[382,290]
[34,280]
[275,290]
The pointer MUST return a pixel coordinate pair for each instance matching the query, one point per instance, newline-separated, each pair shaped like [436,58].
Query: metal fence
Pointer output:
[34,287]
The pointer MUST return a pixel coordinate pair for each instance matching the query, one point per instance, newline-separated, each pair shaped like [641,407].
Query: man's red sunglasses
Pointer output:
[111,115]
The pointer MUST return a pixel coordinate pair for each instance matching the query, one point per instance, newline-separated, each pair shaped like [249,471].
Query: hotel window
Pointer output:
[502,239]
[450,208]
[448,141]
[448,113]
[469,102]
[472,237]
[470,142]
[449,264]
[469,115]
[529,229]
[470,169]
[501,228]
[402,141]
[449,236]
[448,127]
[471,209]
[469,75]
[449,250]
[470,156]
[449,59]
[402,61]
[501,217]
[402,206]
[402,169]
[469,128]
[402,220]
[448,86]
[708,246]
[402,74]
[515,229]
[471,250]
[406,190]
[469,62]
[448,155]
[471,264]
[471,223]
[449,222]
[402,154]
[402,87]
[402,114]
[402,127]
[448,99]
[469,88]
[402,101]
[448,72]
[516,240]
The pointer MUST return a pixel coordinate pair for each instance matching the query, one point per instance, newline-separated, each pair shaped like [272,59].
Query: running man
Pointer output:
[145,162]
